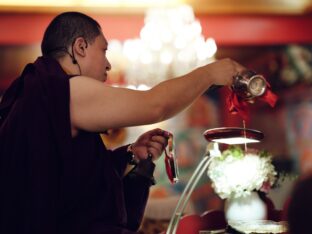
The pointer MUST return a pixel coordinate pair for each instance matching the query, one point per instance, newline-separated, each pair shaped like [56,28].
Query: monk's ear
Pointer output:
[80,45]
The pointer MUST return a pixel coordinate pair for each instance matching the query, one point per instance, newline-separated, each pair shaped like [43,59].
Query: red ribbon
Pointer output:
[238,105]
[168,167]
[170,161]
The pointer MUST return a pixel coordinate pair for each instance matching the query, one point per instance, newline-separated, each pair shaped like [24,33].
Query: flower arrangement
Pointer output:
[236,173]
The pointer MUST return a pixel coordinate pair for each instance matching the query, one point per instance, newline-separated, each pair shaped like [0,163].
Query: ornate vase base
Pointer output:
[248,208]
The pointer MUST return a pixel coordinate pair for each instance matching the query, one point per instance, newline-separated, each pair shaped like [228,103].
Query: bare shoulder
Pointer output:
[96,92]
[85,83]
[95,106]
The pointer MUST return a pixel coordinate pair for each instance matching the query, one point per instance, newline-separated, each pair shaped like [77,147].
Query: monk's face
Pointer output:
[96,64]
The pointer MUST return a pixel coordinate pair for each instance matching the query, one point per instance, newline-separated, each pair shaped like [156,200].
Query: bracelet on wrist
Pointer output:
[132,160]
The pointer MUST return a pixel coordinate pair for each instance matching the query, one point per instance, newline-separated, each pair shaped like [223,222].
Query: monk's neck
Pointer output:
[68,66]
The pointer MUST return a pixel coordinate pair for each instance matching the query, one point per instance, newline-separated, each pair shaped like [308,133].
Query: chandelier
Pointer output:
[170,44]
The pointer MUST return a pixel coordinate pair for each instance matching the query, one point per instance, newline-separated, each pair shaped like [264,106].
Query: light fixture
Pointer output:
[170,44]
[214,137]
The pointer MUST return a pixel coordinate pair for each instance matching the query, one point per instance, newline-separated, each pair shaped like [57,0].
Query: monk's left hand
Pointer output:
[150,144]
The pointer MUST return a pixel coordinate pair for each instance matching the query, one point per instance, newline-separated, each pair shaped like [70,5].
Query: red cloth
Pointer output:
[209,220]
[168,167]
[170,161]
[50,182]
[238,105]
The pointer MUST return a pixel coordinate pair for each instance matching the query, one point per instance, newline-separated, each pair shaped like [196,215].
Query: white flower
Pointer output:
[234,176]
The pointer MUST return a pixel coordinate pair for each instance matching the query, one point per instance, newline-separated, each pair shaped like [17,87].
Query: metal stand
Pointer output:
[213,150]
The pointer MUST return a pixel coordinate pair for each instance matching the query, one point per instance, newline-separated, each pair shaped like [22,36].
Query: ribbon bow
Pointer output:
[238,105]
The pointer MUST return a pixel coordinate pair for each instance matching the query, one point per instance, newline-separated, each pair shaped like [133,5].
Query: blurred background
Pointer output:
[150,41]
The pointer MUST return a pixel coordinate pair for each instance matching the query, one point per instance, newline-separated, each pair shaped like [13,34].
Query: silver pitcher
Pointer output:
[249,85]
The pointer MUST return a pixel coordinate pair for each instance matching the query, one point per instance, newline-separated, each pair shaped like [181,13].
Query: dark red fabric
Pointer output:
[209,220]
[51,183]
[168,168]
[238,105]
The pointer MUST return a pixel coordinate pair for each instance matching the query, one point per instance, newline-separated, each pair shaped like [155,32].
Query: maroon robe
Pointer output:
[51,183]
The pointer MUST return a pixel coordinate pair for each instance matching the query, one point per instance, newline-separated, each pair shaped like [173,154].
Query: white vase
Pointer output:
[246,208]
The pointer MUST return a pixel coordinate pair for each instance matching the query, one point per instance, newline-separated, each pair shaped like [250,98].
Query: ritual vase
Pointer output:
[245,208]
